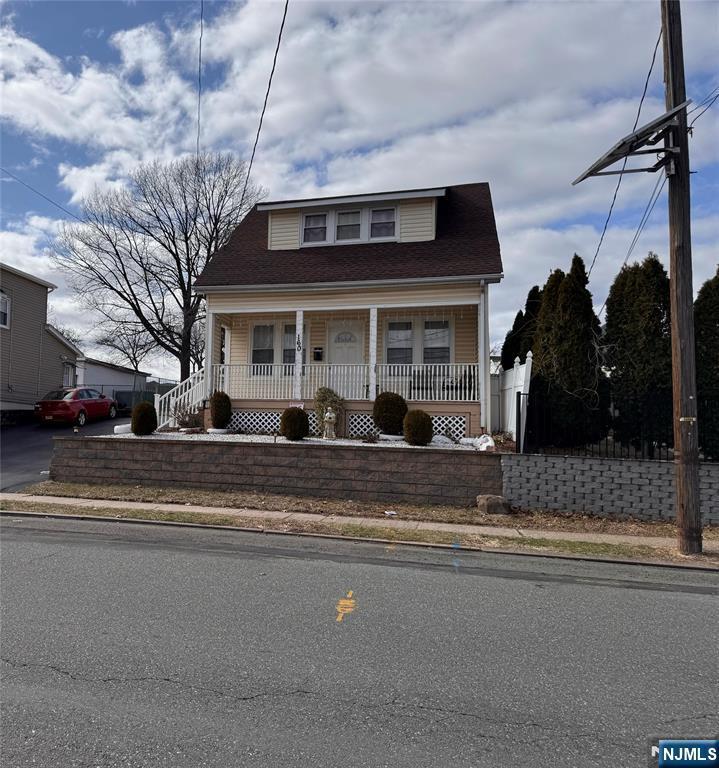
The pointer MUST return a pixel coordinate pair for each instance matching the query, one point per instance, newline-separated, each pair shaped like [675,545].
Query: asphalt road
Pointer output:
[25,450]
[130,645]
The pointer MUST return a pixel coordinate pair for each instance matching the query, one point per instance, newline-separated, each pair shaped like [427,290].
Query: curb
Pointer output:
[363,539]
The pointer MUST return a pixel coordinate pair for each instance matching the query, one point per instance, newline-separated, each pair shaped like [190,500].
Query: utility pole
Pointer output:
[686,445]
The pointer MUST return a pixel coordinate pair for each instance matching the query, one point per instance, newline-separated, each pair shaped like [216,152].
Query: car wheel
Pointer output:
[113,412]
[81,419]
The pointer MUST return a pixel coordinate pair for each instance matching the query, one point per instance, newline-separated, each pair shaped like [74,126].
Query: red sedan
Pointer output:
[78,406]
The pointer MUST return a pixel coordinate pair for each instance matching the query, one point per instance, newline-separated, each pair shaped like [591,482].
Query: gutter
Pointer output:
[288,287]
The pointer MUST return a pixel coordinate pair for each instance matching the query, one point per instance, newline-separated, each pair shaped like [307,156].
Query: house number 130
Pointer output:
[299,343]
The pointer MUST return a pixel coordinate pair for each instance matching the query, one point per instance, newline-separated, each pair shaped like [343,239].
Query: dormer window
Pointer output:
[382,222]
[315,228]
[348,225]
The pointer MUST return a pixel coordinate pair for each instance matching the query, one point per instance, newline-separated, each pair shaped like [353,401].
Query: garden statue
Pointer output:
[329,420]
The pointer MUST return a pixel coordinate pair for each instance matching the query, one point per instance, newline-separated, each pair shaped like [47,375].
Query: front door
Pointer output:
[346,343]
[346,370]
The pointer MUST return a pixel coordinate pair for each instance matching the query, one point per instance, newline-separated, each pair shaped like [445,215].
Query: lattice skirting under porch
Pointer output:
[359,424]
[263,422]
[454,425]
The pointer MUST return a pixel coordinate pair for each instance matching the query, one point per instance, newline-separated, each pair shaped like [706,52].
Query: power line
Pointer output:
[199,74]
[708,106]
[264,106]
[38,192]
[624,164]
[699,104]
[656,192]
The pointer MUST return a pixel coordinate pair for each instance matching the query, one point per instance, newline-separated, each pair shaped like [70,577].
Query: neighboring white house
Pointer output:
[105,376]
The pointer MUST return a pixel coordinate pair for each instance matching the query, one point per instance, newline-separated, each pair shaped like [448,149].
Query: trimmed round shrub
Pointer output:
[388,412]
[144,419]
[220,410]
[418,428]
[294,424]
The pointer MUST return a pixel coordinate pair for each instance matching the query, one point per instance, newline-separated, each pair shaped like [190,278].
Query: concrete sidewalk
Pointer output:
[711,546]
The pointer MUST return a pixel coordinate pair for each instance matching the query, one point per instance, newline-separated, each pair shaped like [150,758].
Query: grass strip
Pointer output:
[363,531]
[523,518]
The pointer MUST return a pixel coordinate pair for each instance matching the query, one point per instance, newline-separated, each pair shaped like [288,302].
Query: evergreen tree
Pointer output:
[637,352]
[545,331]
[510,348]
[706,330]
[531,310]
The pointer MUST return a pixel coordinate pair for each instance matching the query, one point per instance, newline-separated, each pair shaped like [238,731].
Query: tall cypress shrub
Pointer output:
[637,352]
[706,330]
[531,310]
[510,348]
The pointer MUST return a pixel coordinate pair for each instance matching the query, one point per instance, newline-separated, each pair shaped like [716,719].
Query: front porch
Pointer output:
[428,344]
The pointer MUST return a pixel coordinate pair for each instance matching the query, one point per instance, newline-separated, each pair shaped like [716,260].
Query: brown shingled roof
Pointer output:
[466,244]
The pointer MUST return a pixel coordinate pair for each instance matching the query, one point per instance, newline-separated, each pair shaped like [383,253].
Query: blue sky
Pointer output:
[367,96]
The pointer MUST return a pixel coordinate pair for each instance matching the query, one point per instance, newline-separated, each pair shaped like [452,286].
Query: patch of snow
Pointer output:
[391,438]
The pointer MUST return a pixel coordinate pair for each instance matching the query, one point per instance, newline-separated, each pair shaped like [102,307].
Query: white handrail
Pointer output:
[186,396]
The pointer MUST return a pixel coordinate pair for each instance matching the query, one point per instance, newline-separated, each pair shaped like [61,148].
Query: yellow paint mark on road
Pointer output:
[345,605]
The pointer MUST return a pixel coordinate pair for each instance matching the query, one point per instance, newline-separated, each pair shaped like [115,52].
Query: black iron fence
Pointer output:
[643,429]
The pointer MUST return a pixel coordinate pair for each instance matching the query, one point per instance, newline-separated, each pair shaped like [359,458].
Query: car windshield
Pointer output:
[58,394]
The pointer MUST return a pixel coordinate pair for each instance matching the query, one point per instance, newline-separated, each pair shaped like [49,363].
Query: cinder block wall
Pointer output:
[642,490]
[372,473]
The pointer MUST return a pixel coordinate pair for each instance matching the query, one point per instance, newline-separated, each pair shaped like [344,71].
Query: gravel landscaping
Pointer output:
[439,441]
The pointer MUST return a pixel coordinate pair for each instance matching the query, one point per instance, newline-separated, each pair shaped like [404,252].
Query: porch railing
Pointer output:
[276,382]
[453,382]
[450,382]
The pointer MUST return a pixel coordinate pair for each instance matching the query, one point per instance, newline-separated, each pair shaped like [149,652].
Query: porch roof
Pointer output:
[466,245]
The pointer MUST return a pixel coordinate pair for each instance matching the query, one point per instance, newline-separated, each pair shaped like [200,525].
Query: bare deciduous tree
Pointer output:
[139,249]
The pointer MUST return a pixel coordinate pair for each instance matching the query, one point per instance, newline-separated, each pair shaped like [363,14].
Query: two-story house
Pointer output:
[362,293]
[34,356]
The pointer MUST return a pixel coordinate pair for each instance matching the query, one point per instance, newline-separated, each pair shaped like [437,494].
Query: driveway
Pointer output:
[25,450]
[143,646]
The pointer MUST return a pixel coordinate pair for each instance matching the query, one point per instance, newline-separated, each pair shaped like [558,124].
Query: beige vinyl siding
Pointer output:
[54,355]
[417,220]
[463,322]
[283,230]
[21,345]
[269,301]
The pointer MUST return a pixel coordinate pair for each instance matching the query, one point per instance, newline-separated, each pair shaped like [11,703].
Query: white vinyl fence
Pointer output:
[512,381]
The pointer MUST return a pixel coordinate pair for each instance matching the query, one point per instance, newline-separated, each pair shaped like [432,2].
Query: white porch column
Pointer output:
[487,364]
[372,353]
[299,344]
[80,371]
[481,358]
[209,343]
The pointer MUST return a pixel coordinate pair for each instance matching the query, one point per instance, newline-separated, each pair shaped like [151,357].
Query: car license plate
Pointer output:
[48,418]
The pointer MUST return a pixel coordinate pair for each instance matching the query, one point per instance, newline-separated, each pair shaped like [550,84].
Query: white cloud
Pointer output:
[371,96]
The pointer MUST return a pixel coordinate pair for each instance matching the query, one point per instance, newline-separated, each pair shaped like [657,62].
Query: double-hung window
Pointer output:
[263,349]
[399,343]
[4,311]
[315,228]
[348,225]
[382,222]
[436,342]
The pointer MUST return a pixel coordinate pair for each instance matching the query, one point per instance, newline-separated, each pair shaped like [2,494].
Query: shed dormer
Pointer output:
[401,217]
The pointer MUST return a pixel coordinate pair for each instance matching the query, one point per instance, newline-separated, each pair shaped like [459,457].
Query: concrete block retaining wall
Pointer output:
[607,487]
[621,488]
[371,473]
